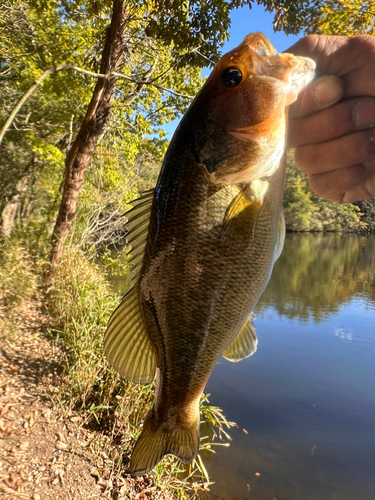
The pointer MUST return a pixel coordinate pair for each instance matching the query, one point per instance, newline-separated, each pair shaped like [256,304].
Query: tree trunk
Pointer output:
[79,155]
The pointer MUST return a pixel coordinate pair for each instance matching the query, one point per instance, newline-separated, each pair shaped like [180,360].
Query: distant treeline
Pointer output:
[305,211]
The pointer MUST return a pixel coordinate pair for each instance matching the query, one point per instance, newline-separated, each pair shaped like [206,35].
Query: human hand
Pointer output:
[332,124]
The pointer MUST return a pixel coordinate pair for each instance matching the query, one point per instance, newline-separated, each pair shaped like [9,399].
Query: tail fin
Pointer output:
[157,440]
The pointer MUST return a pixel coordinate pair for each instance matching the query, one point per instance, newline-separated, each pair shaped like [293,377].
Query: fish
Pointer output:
[204,241]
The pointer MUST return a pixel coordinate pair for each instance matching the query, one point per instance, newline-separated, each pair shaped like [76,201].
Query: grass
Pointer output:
[81,301]
[18,284]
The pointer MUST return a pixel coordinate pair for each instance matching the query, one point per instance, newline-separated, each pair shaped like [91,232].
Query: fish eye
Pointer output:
[231,76]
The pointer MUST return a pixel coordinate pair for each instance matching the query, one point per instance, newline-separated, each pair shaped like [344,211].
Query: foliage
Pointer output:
[329,17]
[367,207]
[167,44]
[130,152]
[47,122]
[17,278]
[344,17]
[18,283]
[298,205]
[304,211]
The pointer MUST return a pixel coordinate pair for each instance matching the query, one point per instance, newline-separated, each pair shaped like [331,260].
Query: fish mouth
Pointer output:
[295,72]
[292,72]
[304,71]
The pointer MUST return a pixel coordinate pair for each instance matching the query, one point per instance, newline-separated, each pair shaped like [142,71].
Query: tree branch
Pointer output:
[105,76]
[24,98]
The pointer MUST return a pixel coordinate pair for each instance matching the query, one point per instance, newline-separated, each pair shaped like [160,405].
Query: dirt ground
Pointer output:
[44,454]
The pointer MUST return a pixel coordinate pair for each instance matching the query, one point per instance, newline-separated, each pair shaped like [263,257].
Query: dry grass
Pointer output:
[18,284]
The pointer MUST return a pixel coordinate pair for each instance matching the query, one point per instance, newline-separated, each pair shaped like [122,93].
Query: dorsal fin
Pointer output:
[138,226]
[126,342]
[127,345]
[245,344]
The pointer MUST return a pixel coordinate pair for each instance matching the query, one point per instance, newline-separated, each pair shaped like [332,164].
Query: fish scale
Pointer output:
[210,237]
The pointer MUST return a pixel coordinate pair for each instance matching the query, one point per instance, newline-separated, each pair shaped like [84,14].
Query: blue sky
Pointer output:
[245,21]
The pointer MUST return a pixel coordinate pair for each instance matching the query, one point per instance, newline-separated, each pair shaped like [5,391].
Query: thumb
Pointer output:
[320,94]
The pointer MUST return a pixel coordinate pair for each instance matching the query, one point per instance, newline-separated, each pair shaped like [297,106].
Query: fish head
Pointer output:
[240,113]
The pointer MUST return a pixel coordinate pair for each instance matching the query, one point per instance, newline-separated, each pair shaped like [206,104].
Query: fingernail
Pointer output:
[327,92]
[364,114]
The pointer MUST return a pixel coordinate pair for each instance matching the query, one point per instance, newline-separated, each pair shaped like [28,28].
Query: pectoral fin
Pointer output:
[127,345]
[217,204]
[245,344]
[241,217]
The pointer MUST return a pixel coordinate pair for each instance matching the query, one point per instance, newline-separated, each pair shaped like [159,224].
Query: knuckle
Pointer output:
[364,43]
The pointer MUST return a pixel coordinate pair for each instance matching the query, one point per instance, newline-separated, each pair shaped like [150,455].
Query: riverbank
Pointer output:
[68,421]
[48,450]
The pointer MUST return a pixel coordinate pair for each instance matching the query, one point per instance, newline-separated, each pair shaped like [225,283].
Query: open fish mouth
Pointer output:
[300,76]
[294,71]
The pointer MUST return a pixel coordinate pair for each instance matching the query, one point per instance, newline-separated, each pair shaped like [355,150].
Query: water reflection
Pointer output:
[317,273]
[307,397]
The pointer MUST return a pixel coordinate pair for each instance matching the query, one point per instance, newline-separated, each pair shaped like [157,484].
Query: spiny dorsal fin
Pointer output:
[245,344]
[127,345]
[138,227]
[281,235]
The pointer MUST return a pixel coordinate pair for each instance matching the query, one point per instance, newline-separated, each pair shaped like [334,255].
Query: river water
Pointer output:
[305,401]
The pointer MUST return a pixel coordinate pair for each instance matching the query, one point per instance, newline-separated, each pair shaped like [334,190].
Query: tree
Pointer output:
[183,36]
[305,211]
[44,125]
[298,205]
[96,116]
[332,17]
[167,43]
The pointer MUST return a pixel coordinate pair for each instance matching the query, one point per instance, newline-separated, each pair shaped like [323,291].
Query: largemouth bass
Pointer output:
[204,242]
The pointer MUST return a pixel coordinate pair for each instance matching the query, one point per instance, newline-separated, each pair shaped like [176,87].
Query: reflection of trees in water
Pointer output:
[317,273]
